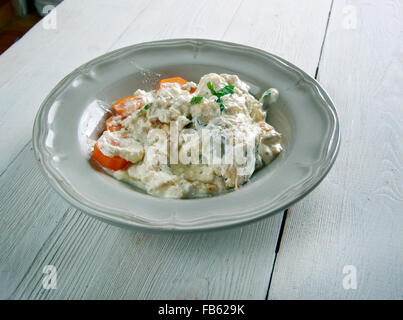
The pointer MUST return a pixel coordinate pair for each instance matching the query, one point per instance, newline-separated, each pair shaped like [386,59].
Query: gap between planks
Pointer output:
[280,234]
[324,40]
[125,31]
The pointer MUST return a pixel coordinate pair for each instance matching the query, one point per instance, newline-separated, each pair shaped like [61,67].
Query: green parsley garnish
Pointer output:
[266,94]
[196,100]
[226,90]
[146,107]
[222,107]
[220,93]
[211,87]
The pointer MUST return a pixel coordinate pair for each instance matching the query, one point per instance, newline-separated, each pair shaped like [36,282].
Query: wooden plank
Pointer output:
[34,64]
[355,216]
[293,31]
[98,261]
[280,27]
[46,56]
[30,211]
[95,260]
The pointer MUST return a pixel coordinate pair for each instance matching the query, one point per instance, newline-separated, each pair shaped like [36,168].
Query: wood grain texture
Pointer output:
[86,29]
[280,27]
[96,260]
[30,211]
[37,62]
[355,216]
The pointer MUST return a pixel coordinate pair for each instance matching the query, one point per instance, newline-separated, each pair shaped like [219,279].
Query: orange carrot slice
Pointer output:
[179,80]
[171,80]
[112,127]
[112,163]
[128,105]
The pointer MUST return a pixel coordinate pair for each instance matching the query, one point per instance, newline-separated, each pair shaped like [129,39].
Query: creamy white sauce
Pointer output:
[170,108]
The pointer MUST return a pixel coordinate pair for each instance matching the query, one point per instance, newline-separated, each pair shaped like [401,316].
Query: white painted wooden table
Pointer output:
[353,222]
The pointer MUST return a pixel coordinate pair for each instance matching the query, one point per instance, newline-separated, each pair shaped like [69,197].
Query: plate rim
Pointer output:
[58,185]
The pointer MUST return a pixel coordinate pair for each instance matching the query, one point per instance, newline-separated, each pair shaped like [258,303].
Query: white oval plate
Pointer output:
[75,110]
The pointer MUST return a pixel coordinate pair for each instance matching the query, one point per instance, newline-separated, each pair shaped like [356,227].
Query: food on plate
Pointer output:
[186,139]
